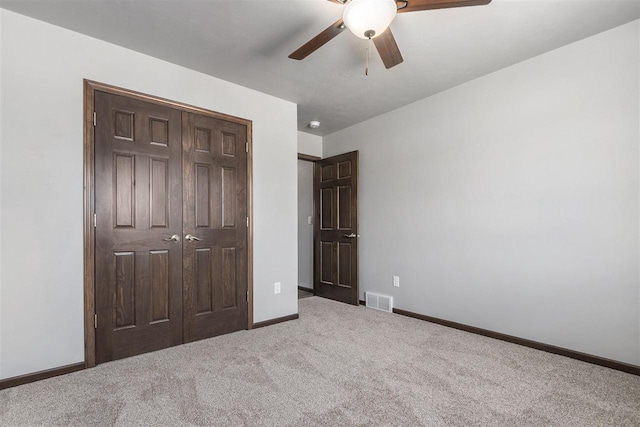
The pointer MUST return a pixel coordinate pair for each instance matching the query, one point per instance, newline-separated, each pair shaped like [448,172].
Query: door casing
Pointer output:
[90,87]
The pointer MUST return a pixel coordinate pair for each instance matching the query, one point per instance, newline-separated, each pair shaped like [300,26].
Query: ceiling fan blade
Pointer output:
[417,5]
[388,49]
[319,40]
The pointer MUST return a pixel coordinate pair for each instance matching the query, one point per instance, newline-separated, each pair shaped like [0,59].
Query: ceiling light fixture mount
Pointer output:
[314,124]
[369,18]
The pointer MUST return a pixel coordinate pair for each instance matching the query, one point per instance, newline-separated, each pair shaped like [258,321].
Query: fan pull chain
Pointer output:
[368,55]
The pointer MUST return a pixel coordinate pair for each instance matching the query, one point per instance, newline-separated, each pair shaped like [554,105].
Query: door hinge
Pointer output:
[95,119]
[247,222]
[95,321]
[95,220]
[246,147]
[247,296]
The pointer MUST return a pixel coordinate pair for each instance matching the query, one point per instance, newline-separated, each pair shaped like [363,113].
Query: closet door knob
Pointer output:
[191,238]
[174,238]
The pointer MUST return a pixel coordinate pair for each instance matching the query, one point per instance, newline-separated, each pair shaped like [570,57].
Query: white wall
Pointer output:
[309,144]
[305,230]
[1,102]
[43,67]
[511,202]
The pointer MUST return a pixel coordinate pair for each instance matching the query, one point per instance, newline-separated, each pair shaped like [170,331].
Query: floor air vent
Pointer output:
[379,302]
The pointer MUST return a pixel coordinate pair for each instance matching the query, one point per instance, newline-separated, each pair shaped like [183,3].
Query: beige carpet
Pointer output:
[338,365]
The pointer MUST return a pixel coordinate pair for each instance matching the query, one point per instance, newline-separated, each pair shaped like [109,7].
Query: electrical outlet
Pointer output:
[277,287]
[309,220]
[396,281]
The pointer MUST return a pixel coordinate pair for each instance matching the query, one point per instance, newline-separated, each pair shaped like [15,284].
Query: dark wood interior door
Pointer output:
[215,226]
[336,234]
[138,202]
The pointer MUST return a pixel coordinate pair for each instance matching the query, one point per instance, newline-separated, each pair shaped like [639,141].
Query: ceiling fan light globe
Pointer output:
[364,16]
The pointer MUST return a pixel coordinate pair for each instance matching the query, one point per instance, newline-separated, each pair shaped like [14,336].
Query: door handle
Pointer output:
[174,238]
[191,238]
[352,235]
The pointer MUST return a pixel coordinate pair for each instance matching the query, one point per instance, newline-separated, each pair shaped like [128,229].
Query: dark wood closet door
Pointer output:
[336,235]
[215,214]
[138,188]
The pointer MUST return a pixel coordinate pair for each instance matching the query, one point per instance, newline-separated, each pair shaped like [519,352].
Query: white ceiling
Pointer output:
[247,42]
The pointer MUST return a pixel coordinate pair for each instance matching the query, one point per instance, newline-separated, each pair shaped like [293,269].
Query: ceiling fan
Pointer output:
[370,19]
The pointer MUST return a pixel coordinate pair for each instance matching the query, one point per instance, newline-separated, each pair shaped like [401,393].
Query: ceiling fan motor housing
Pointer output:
[369,18]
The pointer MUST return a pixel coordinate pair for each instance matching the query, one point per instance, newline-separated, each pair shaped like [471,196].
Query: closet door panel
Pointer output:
[215,214]
[138,202]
